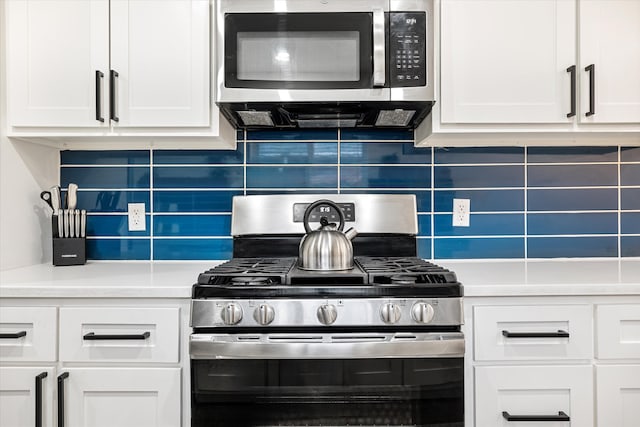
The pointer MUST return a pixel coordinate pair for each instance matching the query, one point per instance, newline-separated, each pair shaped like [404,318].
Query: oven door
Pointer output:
[352,379]
[301,51]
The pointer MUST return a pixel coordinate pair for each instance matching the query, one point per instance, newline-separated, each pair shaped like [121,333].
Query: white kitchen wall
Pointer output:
[25,170]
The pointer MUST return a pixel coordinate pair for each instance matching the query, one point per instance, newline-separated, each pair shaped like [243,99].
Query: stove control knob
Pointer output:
[422,312]
[327,314]
[231,314]
[390,313]
[264,314]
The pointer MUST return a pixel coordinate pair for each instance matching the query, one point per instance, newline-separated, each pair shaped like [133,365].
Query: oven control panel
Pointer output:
[348,209]
[352,312]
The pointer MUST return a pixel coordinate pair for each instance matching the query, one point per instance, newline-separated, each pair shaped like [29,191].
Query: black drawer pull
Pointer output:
[13,335]
[91,336]
[560,417]
[113,95]
[99,76]
[61,379]
[39,379]
[559,334]
[572,71]
[591,69]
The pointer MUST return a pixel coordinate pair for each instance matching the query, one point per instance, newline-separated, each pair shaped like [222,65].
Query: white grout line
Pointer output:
[619,204]
[526,201]
[433,202]
[244,163]
[151,255]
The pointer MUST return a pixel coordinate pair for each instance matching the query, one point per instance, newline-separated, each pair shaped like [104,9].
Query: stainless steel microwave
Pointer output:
[324,63]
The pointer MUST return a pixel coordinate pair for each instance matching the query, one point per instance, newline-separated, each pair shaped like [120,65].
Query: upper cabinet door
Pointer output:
[160,51]
[505,61]
[610,47]
[55,52]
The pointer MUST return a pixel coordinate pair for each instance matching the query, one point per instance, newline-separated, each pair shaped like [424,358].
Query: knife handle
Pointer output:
[60,223]
[83,223]
[66,223]
[76,221]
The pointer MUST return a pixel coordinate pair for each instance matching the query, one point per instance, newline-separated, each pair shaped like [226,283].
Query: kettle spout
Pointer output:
[351,233]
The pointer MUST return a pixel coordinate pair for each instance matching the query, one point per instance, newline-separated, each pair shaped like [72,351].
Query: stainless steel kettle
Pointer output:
[326,248]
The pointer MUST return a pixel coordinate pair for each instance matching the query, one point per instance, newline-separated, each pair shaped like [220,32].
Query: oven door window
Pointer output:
[361,392]
[299,50]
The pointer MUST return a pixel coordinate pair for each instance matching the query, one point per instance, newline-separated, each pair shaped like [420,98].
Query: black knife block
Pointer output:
[67,251]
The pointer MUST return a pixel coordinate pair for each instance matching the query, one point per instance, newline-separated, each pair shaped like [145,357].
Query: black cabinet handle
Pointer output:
[559,334]
[591,69]
[61,379]
[99,76]
[91,336]
[560,417]
[39,379]
[13,335]
[113,115]
[572,70]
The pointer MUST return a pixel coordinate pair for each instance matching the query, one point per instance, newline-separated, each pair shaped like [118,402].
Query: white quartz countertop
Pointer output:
[547,277]
[175,279]
[103,279]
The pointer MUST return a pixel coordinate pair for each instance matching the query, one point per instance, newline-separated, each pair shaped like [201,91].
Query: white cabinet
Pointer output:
[97,364]
[123,334]
[618,331]
[539,332]
[26,394]
[538,358]
[124,397]
[527,66]
[618,385]
[505,61]
[160,50]
[109,67]
[54,49]
[507,394]
[28,334]
[618,395]
[610,43]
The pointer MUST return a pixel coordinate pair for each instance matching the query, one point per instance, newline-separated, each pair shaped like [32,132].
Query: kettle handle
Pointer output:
[321,202]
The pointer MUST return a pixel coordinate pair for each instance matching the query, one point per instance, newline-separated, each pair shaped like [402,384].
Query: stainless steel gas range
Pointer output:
[277,344]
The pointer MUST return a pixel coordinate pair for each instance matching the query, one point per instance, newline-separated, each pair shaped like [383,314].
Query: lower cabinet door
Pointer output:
[534,396]
[119,397]
[618,395]
[26,397]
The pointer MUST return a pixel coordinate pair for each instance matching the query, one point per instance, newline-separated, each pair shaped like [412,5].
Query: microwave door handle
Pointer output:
[379,54]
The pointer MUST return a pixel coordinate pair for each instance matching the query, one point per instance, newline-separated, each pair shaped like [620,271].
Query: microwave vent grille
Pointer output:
[256,118]
[395,117]
[327,123]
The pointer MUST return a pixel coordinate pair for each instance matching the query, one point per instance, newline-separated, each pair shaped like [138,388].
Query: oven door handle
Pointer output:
[326,346]
[379,54]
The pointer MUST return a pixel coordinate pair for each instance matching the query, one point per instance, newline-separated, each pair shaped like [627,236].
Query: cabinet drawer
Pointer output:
[618,329]
[148,397]
[28,334]
[535,391]
[118,334]
[618,395]
[535,332]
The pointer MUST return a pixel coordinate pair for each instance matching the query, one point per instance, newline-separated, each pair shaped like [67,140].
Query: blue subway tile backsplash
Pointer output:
[526,202]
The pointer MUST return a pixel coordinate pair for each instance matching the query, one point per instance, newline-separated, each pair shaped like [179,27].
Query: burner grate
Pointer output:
[404,271]
[248,272]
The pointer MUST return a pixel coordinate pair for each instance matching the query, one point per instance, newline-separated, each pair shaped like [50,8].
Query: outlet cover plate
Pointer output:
[136,217]
[461,211]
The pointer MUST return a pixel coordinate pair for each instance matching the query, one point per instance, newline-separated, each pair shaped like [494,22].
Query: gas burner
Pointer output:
[400,279]
[250,280]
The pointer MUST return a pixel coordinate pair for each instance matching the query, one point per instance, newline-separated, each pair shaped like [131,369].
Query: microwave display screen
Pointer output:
[299,56]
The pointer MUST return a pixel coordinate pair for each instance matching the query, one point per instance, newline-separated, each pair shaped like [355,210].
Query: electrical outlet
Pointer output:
[136,216]
[461,211]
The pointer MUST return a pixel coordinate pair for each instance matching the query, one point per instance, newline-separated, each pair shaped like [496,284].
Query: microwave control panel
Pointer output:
[407,44]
